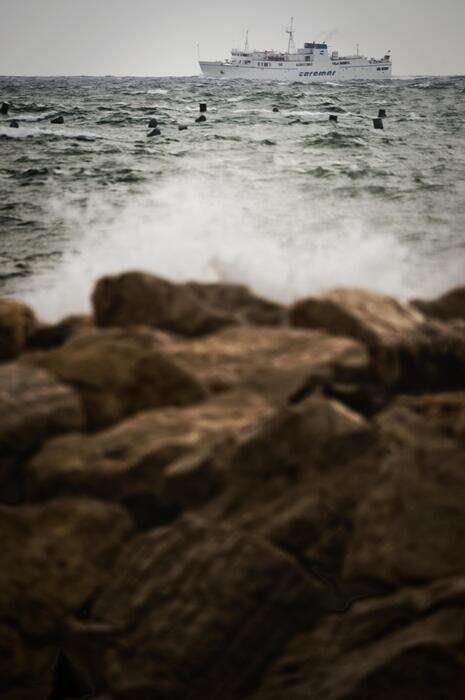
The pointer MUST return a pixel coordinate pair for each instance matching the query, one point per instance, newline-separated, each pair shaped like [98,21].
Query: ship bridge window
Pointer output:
[307,58]
[247,62]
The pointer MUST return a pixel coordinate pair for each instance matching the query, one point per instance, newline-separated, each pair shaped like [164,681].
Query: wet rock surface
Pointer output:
[139,298]
[17,324]
[242,597]
[447,307]
[53,559]
[119,372]
[278,363]
[406,645]
[165,458]
[241,302]
[375,319]
[34,406]
[206,494]
[408,351]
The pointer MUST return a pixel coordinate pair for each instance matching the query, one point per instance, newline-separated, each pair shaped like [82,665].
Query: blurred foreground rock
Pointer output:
[205,494]
[51,335]
[219,603]
[17,324]
[447,307]
[53,559]
[156,462]
[139,298]
[118,373]
[406,645]
[277,363]
[409,353]
[33,407]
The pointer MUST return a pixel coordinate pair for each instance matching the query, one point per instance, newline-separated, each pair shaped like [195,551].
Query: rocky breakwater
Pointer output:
[205,494]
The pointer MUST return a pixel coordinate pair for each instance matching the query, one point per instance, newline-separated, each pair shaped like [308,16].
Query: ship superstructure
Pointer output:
[312,63]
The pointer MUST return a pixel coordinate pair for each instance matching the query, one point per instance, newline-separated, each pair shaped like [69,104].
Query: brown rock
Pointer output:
[194,478]
[275,362]
[238,300]
[410,524]
[311,502]
[25,672]
[429,358]
[52,560]
[310,515]
[156,462]
[17,323]
[317,433]
[33,407]
[194,612]
[52,335]
[408,353]
[407,646]
[134,298]
[447,307]
[375,319]
[296,480]
[411,421]
[119,372]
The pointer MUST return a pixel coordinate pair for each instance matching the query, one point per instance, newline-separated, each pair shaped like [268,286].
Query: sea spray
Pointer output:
[209,230]
[249,197]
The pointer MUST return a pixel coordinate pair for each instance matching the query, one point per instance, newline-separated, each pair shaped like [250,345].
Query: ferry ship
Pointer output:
[311,64]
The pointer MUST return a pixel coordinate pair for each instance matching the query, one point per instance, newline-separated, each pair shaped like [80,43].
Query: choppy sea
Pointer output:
[285,201]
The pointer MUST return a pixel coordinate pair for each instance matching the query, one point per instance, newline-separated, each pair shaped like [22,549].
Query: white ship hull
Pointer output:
[320,74]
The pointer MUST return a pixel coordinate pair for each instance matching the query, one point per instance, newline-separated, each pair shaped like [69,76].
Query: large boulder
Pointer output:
[296,480]
[17,323]
[375,319]
[238,300]
[309,516]
[53,559]
[408,645]
[34,406]
[194,612]
[410,524]
[316,433]
[447,307]
[157,462]
[119,372]
[429,358]
[280,363]
[134,298]
[408,353]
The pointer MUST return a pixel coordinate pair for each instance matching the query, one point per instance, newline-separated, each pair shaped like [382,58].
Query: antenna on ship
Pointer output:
[246,42]
[290,30]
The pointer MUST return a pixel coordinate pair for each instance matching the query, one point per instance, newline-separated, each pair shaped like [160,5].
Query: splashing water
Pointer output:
[284,202]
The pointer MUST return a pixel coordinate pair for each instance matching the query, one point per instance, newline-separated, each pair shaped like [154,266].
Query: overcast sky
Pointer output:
[159,37]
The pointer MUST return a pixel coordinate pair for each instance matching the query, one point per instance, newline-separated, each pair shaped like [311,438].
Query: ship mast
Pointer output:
[246,42]
[290,30]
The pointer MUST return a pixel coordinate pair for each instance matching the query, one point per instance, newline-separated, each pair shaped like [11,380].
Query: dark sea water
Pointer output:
[285,202]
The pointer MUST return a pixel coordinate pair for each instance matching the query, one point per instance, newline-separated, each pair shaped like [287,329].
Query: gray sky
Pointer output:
[159,37]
